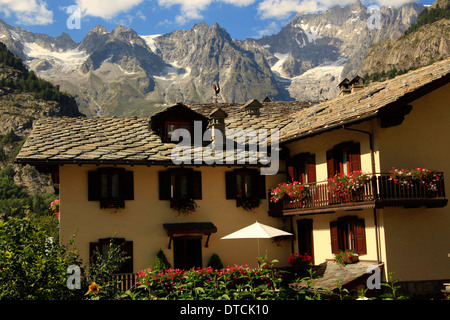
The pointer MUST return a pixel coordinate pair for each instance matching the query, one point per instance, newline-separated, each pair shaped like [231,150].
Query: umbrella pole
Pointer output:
[258,253]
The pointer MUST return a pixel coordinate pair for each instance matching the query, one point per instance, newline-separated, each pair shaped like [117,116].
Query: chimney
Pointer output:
[344,87]
[357,84]
[253,107]
[217,122]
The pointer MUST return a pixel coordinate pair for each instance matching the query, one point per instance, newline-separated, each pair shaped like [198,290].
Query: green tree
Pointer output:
[33,265]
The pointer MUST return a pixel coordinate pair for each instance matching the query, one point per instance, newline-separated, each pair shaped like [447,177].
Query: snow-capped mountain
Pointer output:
[314,51]
[123,73]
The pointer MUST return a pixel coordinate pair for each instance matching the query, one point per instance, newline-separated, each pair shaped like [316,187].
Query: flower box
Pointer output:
[346,257]
[183,206]
[248,203]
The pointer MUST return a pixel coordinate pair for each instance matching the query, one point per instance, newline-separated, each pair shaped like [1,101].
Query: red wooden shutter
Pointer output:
[360,236]
[164,185]
[311,168]
[334,237]
[290,171]
[355,157]
[331,166]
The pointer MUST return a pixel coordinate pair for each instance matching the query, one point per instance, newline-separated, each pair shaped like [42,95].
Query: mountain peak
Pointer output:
[99,29]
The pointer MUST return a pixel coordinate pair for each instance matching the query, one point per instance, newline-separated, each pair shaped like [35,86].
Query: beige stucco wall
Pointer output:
[418,240]
[318,145]
[142,219]
[414,244]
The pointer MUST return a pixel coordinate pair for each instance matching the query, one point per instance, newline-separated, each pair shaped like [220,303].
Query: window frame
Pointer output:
[193,180]
[125,187]
[302,168]
[127,247]
[178,125]
[335,164]
[258,184]
[348,233]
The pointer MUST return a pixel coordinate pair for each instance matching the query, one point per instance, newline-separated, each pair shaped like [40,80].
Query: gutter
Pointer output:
[331,127]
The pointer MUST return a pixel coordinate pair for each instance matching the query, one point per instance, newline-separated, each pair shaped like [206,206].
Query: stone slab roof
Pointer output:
[329,275]
[129,139]
[366,102]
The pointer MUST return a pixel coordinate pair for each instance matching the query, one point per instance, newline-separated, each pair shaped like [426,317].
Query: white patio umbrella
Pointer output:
[257,231]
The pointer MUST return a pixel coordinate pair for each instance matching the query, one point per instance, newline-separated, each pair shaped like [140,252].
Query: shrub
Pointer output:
[215,262]
[161,262]
[34,265]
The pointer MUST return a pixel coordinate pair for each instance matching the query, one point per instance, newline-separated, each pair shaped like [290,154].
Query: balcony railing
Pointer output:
[379,192]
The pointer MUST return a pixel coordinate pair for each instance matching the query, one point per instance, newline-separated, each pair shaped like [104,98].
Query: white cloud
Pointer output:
[192,9]
[281,9]
[30,12]
[269,29]
[189,9]
[106,9]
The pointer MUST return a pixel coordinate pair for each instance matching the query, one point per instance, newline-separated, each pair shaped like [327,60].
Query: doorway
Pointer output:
[305,237]
[187,252]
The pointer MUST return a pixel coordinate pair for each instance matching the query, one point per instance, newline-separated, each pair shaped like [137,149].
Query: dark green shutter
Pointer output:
[94,186]
[196,185]
[127,185]
[164,185]
[127,266]
[261,185]
[230,185]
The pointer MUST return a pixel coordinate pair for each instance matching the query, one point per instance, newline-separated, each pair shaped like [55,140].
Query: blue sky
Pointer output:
[241,18]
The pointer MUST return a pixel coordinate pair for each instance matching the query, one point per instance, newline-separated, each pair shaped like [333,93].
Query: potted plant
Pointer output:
[294,190]
[346,257]
[248,203]
[279,239]
[418,176]
[299,261]
[346,186]
[183,206]
[112,203]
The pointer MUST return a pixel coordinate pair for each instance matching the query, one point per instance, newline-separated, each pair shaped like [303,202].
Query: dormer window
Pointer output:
[176,117]
[172,126]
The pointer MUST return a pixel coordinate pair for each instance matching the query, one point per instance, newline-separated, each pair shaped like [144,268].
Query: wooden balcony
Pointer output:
[379,192]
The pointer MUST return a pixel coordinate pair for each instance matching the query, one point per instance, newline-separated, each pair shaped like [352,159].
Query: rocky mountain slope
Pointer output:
[410,50]
[123,73]
[24,98]
[315,51]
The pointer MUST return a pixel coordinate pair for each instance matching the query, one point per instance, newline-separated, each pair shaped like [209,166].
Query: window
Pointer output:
[180,184]
[103,245]
[110,186]
[302,168]
[343,159]
[348,233]
[242,183]
[172,126]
